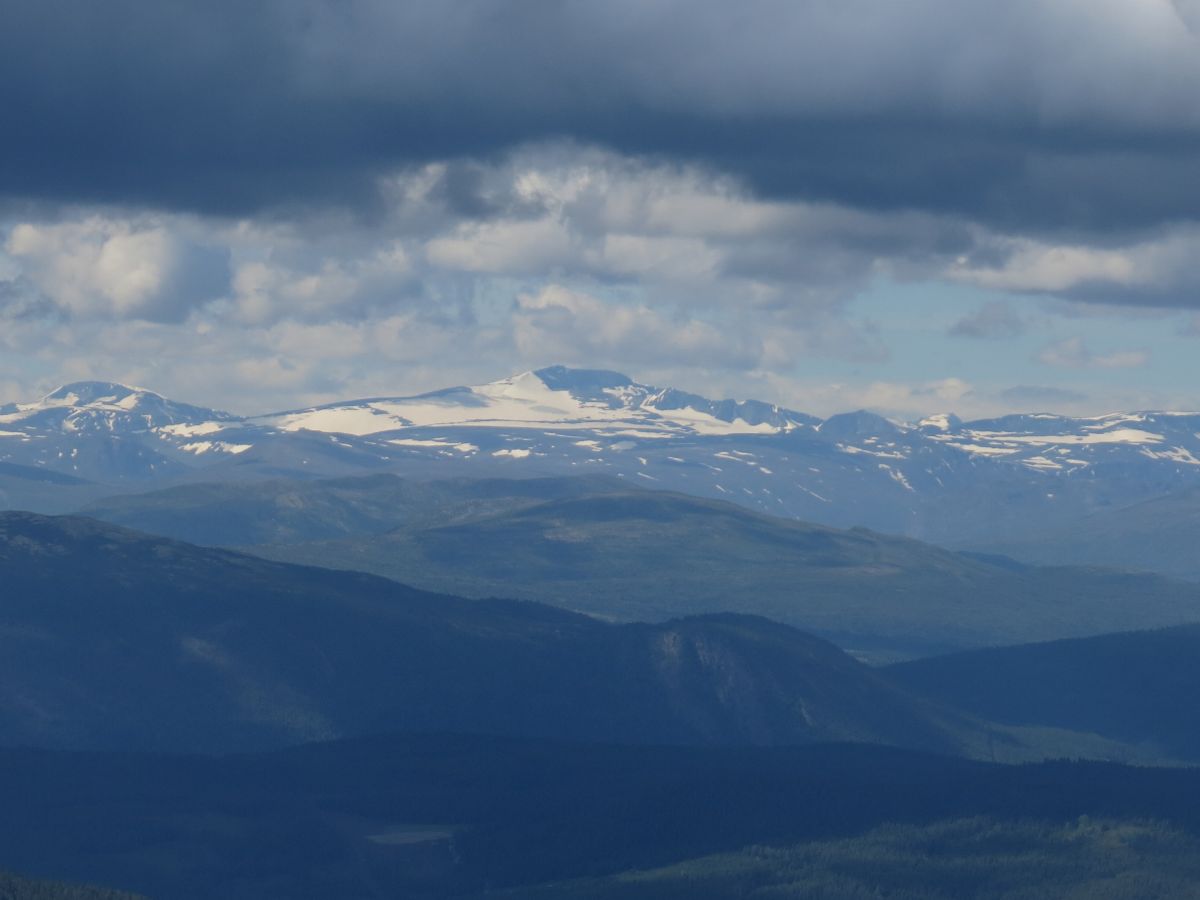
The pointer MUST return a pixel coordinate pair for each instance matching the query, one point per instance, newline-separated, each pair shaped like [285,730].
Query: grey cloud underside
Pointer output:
[950,107]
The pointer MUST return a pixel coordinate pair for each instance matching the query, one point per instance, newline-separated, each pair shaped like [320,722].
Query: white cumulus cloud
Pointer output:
[107,267]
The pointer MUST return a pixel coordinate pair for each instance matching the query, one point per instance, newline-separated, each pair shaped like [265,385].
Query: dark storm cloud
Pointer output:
[956,106]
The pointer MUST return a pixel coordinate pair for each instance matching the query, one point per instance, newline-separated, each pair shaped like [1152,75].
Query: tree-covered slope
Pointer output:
[1139,688]
[967,859]
[438,816]
[289,511]
[15,887]
[111,638]
[652,555]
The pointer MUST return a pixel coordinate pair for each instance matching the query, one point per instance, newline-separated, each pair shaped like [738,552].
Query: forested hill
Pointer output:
[118,640]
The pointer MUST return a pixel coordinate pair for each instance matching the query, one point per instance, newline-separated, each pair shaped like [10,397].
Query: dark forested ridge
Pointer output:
[598,546]
[439,816]
[15,887]
[114,639]
[970,859]
[1139,688]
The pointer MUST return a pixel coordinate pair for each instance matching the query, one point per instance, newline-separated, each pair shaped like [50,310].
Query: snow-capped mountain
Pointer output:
[566,399]
[101,431]
[940,478]
[98,406]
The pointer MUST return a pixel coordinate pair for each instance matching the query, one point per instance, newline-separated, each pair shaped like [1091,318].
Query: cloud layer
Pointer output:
[1029,115]
[310,198]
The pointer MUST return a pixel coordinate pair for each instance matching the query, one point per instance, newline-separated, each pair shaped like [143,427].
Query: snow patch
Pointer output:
[199,447]
[355,420]
[897,477]
[1115,436]
[417,442]
[184,430]
[981,450]
[1174,454]
[1041,462]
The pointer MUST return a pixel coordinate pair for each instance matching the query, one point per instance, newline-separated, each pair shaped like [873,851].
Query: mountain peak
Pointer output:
[84,393]
[860,423]
[107,408]
[562,378]
[940,422]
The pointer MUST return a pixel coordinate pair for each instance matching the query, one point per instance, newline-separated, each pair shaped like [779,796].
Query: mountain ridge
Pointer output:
[115,639]
[590,385]
[611,549]
[1137,687]
[920,479]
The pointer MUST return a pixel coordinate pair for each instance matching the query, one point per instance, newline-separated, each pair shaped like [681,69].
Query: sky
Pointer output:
[940,205]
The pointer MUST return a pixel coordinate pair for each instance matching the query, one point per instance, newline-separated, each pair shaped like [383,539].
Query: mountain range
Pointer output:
[939,479]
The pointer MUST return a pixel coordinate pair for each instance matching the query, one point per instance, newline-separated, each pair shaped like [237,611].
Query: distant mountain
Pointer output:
[595,545]
[928,479]
[114,639]
[1137,688]
[1160,535]
[107,432]
[292,511]
[557,397]
[97,407]
[31,487]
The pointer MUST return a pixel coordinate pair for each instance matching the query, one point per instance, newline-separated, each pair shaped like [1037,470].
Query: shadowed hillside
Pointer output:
[115,639]
[972,859]
[438,816]
[14,887]
[1139,688]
